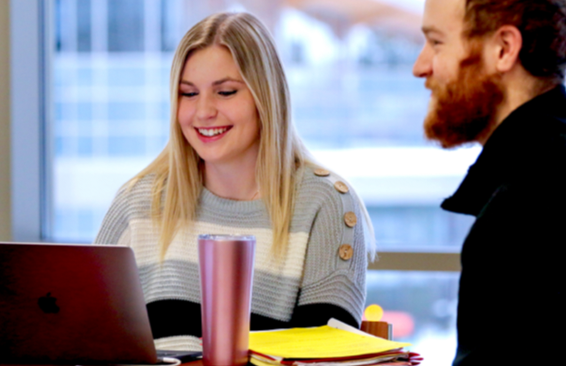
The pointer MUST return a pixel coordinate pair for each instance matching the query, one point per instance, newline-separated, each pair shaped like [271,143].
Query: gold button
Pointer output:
[321,172]
[341,187]
[350,219]
[345,252]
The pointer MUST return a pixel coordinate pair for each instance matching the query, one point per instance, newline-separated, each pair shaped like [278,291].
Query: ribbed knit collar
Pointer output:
[209,199]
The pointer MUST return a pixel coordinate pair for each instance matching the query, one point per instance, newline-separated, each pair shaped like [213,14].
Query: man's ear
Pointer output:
[507,43]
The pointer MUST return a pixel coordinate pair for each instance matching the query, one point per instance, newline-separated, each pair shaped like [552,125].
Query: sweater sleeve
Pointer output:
[333,283]
[115,225]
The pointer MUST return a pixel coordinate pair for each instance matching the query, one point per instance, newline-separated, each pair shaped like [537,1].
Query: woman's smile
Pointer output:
[209,134]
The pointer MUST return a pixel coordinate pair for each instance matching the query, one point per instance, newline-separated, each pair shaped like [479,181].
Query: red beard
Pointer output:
[463,110]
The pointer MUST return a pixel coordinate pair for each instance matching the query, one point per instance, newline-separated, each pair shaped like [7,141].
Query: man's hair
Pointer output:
[542,24]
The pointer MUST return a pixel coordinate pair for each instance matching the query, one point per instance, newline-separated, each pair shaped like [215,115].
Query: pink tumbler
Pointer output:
[226,270]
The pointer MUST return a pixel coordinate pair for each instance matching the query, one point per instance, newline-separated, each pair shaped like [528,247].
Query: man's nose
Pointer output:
[423,65]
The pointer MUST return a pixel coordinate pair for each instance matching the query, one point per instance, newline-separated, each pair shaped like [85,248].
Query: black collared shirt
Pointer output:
[512,283]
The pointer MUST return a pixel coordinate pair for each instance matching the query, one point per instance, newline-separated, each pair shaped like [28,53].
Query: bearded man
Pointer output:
[496,71]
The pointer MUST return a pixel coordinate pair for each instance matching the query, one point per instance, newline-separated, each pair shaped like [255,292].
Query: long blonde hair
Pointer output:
[281,156]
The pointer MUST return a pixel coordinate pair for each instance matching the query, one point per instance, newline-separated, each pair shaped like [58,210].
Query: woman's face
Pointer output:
[217,112]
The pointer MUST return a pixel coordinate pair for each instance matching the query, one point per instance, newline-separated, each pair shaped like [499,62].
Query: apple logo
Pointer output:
[47,304]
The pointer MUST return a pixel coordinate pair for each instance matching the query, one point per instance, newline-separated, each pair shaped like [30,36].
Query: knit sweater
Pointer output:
[314,280]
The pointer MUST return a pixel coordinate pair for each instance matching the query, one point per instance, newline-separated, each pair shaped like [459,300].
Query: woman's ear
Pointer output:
[507,43]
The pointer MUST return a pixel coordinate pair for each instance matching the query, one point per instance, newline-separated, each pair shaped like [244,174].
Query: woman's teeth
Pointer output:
[212,131]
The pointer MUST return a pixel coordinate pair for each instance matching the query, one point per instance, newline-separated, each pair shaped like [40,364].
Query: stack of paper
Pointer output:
[326,345]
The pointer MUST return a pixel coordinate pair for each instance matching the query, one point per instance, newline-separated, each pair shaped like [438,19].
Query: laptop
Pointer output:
[74,304]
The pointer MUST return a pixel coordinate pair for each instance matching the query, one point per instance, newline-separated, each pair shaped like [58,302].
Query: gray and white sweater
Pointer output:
[318,278]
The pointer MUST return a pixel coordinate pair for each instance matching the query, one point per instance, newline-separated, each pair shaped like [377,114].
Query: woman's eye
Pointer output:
[227,93]
[191,94]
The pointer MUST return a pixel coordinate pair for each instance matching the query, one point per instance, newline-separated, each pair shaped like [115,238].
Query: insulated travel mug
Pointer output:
[226,272]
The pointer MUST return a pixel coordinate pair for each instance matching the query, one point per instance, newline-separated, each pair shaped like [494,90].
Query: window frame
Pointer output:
[29,103]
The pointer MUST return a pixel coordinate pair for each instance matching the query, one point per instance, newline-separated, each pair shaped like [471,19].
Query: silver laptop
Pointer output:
[79,304]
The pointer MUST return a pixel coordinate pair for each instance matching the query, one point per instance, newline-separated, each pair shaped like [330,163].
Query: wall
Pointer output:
[5,175]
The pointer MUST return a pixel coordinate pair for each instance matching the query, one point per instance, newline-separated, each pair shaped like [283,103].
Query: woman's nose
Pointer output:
[206,108]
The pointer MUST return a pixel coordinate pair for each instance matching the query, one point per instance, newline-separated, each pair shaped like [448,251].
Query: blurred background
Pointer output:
[355,103]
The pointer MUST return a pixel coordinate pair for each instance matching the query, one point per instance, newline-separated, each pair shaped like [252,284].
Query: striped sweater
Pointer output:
[317,279]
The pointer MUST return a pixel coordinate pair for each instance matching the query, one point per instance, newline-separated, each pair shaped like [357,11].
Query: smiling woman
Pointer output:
[234,164]
[219,119]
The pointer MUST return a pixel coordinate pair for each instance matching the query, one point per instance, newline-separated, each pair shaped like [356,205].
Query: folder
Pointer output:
[326,345]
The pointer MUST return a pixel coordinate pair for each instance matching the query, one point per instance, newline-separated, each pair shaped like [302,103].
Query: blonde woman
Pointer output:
[234,164]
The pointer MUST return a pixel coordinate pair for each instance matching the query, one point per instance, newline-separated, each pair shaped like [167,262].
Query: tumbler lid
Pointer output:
[221,237]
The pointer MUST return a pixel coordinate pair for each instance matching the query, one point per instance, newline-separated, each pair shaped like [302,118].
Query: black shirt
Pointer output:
[511,298]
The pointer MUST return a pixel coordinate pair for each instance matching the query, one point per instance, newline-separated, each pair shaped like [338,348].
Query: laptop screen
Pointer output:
[72,303]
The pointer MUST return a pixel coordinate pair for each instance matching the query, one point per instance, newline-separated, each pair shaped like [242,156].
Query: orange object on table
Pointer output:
[377,328]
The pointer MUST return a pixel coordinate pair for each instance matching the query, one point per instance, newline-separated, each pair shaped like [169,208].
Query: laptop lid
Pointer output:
[72,304]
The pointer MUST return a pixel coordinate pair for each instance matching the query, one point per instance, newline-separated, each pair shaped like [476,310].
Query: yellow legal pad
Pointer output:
[319,342]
